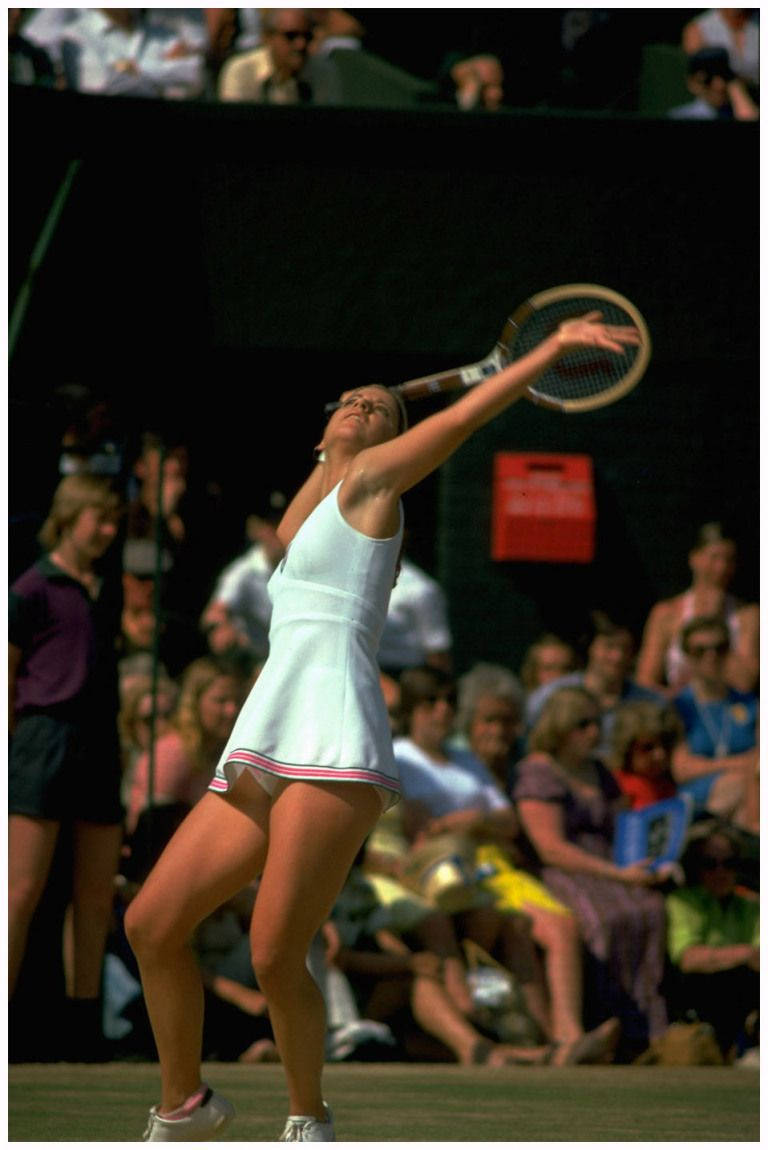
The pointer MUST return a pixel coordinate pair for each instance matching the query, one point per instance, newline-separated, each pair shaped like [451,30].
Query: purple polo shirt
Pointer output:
[67,640]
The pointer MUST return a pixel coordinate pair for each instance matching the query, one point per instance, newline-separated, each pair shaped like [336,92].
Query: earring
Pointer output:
[319,453]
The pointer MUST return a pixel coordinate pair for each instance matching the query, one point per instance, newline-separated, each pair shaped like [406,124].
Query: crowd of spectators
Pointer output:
[499,862]
[488,919]
[583,58]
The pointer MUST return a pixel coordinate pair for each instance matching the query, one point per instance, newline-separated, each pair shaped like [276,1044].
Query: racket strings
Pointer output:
[583,372]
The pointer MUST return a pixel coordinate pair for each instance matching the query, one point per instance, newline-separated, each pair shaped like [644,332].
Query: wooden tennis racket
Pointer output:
[581,380]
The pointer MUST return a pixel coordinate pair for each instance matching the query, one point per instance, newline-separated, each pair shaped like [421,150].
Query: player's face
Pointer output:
[367,414]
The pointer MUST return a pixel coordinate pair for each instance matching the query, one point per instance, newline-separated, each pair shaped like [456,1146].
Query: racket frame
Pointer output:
[502,354]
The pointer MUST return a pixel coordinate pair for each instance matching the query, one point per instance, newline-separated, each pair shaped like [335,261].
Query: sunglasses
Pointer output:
[582,724]
[710,863]
[700,649]
[448,697]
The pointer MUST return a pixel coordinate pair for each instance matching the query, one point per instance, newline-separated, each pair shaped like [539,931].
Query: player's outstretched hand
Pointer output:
[588,331]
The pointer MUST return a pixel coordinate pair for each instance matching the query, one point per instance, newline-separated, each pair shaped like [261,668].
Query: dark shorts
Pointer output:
[60,769]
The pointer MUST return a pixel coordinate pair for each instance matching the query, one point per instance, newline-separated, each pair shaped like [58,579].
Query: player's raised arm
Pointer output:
[400,463]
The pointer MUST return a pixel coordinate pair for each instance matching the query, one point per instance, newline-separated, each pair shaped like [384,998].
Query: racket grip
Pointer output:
[456,378]
[429,385]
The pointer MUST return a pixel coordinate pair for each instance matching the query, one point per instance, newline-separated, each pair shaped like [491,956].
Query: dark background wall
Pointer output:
[221,272]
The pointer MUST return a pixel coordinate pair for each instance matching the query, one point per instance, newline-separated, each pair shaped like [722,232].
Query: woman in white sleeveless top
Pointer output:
[309,767]
[661,662]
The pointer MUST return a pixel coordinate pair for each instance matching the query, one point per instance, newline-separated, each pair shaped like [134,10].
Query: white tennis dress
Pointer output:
[316,711]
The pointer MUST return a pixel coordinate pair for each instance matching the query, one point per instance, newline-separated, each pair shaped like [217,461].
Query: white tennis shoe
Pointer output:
[206,1121]
[301,1129]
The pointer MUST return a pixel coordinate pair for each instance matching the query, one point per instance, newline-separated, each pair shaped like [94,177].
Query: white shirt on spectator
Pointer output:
[463,784]
[92,46]
[417,620]
[242,588]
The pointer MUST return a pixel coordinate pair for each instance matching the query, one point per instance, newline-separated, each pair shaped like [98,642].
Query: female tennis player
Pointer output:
[309,767]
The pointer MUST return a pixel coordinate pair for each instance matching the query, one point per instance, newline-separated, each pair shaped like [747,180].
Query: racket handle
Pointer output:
[427,385]
[456,377]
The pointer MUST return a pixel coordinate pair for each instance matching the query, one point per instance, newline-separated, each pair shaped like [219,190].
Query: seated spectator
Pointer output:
[27,63]
[661,661]
[567,801]
[138,620]
[206,33]
[92,439]
[549,658]
[149,502]
[390,689]
[390,970]
[171,537]
[335,28]
[449,791]
[473,82]
[135,719]
[247,30]
[211,695]
[417,631]
[44,28]
[490,718]
[173,634]
[609,653]
[644,737]
[714,941]
[113,51]
[385,857]
[734,30]
[718,761]
[237,1026]
[188,26]
[272,73]
[240,608]
[718,93]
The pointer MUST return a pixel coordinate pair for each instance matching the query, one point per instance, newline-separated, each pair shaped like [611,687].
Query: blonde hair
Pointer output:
[195,681]
[73,494]
[561,712]
[643,719]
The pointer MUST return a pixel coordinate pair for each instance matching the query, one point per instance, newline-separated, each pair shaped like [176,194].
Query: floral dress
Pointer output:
[623,927]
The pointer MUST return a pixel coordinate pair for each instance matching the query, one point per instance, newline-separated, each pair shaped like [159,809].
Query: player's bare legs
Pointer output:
[219,849]
[315,831]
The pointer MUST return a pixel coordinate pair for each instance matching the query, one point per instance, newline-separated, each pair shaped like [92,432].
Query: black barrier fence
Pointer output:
[224,270]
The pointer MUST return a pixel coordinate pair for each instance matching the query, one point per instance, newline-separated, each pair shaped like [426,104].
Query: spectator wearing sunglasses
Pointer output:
[714,942]
[567,801]
[717,763]
[273,72]
[450,791]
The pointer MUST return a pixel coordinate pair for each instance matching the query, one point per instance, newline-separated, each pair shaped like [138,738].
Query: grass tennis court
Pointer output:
[408,1103]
